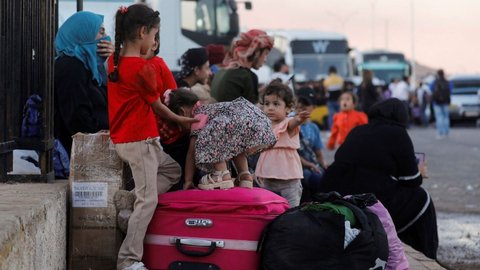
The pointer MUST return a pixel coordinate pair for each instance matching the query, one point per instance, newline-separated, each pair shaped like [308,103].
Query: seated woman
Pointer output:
[379,158]
[82,47]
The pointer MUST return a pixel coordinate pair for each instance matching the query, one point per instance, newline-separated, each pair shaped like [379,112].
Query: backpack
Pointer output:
[32,128]
[441,92]
[32,118]
[302,238]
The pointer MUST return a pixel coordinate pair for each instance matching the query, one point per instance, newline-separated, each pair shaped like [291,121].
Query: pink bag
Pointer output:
[396,257]
[210,229]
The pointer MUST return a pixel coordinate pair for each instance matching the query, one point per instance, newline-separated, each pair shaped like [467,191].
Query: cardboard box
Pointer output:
[94,158]
[96,173]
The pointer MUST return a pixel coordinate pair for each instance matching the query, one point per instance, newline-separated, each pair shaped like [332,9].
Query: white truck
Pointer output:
[184,23]
[310,53]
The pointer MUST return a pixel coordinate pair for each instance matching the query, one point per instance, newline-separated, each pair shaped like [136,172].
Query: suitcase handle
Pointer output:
[212,245]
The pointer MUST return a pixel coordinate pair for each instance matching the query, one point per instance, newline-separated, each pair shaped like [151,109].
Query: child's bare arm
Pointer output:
[296,121]
[190,164]
[160,109]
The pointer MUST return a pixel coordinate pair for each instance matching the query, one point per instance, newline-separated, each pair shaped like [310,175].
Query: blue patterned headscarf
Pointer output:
[76,38]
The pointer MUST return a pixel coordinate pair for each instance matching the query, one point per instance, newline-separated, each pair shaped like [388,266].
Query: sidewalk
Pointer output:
[28,204]
[418,261]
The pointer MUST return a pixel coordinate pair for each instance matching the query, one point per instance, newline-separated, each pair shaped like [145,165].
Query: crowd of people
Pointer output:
[201,129]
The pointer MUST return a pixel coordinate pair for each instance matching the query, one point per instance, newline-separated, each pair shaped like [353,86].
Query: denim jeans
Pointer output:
[442,119]
[333,108]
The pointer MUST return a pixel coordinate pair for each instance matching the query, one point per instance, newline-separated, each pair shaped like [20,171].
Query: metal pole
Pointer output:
[79,5]
[413,79]
[386,34]
[372,2]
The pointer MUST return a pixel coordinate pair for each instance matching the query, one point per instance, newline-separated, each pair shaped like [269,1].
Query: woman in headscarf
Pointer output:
[80,76]
[237,80]
[379,158]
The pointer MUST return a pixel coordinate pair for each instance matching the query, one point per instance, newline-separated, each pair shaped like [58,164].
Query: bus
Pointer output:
[184,23]
[310,53]
[385,65]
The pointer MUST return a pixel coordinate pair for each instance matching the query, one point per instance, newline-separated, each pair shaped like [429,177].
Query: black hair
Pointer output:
[278,64]
[181,97]
[440,74]
[127,23]
[157,39]
[276,87]
[256,54]
[332,69]
[304,101]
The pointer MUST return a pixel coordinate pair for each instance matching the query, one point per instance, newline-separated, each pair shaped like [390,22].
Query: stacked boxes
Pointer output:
[96,173]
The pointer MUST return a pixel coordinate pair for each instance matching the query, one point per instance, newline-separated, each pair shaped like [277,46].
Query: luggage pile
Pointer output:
[254,229]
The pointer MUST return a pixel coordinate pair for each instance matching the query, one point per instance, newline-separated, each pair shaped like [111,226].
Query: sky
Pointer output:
[446,33]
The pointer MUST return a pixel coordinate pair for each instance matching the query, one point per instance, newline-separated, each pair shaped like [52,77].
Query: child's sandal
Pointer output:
[215,180]
[246,183]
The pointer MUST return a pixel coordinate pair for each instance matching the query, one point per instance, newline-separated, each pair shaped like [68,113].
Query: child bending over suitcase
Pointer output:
[226,130]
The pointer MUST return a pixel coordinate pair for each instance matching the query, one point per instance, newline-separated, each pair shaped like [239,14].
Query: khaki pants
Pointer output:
[154,172]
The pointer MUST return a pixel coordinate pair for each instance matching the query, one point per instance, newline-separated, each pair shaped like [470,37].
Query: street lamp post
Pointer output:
[414,75]
[343,20]
[372,3]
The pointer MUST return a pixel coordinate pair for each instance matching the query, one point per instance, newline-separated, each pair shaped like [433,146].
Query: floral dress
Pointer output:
[231,128]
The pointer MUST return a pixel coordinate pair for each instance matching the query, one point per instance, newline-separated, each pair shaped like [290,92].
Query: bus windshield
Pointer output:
[388,75]
[468,86]
[314,67]
[209,17]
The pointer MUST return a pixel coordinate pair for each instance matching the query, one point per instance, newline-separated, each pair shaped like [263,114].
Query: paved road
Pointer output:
[453,165]
[454,168]
[454,184]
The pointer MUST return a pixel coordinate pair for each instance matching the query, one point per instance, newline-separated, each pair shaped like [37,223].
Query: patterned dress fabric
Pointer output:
[232,128]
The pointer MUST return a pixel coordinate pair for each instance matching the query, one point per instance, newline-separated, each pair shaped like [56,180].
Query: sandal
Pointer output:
[215,180]
[246,183]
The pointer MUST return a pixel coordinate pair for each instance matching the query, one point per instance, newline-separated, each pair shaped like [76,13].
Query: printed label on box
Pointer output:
[89,194]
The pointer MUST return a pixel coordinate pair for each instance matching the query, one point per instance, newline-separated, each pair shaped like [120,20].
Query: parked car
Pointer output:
[465,99]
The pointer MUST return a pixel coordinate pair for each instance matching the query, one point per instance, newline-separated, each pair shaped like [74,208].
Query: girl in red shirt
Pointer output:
[133,100]
[345,120]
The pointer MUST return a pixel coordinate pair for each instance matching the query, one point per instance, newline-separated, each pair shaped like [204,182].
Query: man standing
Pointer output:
[441,92]
[333,85]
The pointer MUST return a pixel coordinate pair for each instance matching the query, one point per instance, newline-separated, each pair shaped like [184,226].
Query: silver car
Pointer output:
[465,99]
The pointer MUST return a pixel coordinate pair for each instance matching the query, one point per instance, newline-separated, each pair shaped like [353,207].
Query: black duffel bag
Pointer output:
[302,238]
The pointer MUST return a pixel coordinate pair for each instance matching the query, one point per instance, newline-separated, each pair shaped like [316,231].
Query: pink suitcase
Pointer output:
[210,229]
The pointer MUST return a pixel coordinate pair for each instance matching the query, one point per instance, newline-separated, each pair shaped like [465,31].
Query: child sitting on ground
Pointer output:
[226,130]
[280,167]
[345,120]
[310,150]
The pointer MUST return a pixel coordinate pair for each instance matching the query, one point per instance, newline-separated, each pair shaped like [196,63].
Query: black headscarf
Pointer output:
[391,111]
[191,59]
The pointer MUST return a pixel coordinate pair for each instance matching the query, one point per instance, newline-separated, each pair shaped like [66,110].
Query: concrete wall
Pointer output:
[33,222]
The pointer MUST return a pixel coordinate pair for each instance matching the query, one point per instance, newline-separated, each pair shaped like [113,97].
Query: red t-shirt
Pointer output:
[169,132]
[130,112]
[165,79]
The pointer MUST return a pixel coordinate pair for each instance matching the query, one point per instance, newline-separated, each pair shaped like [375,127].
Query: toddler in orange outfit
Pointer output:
[345,120]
